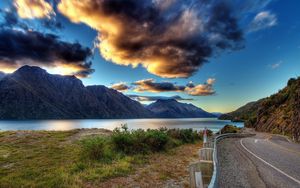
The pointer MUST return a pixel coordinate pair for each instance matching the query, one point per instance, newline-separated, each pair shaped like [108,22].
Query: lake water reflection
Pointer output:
[195,123]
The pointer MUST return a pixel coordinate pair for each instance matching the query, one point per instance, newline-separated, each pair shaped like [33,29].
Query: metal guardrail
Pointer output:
[214,181]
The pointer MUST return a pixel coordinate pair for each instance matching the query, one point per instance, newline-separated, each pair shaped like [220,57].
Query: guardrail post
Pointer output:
[204,173]
[196,176]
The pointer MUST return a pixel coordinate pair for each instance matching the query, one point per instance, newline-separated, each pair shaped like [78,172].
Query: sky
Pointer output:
[218,55]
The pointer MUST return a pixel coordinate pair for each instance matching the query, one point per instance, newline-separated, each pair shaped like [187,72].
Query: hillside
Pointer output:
[279,113]
[243,113]
[32,93]
[170,108]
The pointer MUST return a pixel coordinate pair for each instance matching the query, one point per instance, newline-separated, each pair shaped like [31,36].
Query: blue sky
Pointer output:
[270,57]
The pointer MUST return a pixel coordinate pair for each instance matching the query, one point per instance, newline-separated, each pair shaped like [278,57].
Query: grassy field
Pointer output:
[96,158]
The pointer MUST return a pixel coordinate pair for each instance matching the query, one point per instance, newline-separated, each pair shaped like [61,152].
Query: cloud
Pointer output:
[155,98]
[30,9]
[211,81]
[10,19]
[122,86]
[263,20]
[150,85]
[276,65]
[205,89]
[169,38]
[20,47]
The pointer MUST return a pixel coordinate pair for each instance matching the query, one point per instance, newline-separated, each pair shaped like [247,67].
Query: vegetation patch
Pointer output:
[50,159]
[230,129]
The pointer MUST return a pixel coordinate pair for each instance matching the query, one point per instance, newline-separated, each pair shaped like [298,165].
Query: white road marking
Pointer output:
[277,169]
[255,140]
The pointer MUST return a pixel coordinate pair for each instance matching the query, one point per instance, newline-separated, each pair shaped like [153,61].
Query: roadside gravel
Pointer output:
[232,173]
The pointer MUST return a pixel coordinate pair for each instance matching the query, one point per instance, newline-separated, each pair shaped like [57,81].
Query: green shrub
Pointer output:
[139,141]
[184,135]
[78,167]
[229,129]
[156,140]
[96,148]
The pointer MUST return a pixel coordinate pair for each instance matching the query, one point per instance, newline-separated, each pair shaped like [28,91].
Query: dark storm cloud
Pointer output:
[154,98]
[150,85]
[19,47]
[169,38]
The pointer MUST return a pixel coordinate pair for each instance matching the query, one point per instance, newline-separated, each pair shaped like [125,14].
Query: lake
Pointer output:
[195,123]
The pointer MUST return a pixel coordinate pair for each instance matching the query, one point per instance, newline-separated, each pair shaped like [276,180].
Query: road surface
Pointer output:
[264,160]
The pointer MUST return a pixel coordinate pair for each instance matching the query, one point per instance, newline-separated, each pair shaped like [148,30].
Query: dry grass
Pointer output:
[53,159]
[162,170]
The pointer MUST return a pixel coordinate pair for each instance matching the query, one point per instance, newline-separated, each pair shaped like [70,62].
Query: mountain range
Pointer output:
[32,93]
[1,75]
[279,113]
[170,108]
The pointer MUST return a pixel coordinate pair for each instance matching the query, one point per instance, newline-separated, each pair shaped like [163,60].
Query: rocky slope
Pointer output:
[279,113]
[170,108]
[32,93]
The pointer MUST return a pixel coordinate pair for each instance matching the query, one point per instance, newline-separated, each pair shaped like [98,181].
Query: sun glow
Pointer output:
[7,69]
[63,69]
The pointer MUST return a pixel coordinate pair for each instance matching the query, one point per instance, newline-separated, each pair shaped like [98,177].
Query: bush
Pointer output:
[184,135]
[209,132]
[139,141]
[142,142]
[156,140]
[229,129]
[96,148]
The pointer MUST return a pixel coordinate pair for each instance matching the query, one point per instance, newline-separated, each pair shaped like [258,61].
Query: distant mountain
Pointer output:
[170,108]
[118,104]
[1,75]
[32,93]
[279,113]
[217,114]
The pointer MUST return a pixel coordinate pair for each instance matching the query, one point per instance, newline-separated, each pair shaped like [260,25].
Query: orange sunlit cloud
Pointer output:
[122,86]
[30,9]
[133,33]
[61,68]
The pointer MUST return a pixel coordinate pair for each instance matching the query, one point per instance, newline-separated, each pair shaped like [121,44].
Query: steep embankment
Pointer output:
[279,113]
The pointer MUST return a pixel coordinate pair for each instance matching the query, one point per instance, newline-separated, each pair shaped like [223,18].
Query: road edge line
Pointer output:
[277,169]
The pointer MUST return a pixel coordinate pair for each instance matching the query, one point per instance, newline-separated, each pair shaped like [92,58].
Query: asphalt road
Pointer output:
[264,160]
